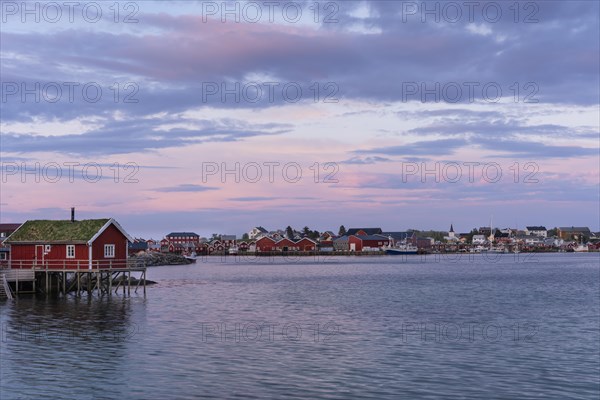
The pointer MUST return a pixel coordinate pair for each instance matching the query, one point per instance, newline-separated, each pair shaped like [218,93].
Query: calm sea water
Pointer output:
[386,327]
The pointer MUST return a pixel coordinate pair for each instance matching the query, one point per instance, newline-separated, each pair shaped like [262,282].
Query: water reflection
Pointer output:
[50,345]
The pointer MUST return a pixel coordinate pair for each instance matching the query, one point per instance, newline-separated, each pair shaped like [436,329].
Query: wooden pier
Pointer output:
[58,278]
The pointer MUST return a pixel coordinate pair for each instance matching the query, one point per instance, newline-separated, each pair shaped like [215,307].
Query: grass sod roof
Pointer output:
[48,231]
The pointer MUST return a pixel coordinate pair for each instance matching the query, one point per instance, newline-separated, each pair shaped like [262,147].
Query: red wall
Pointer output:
[356,241]
[367,243]
[265,244]
[286,243]
[305,245]
[110,236]
[57,256]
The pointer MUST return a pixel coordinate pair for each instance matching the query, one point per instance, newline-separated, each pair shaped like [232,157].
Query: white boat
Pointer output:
[233,250]
[582,248]
[477,249]
[495,250]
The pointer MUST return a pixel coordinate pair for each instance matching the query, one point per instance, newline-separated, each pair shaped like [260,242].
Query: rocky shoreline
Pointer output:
[155,259]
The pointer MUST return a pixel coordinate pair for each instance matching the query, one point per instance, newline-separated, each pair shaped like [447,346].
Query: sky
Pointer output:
[216,117]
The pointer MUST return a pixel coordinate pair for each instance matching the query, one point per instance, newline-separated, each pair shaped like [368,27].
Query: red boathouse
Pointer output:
[69,244]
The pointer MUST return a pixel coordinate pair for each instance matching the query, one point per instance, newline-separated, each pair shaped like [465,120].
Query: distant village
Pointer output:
[45,235]
[260,240]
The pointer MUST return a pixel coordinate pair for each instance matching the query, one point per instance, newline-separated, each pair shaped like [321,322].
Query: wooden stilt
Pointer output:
[129,283]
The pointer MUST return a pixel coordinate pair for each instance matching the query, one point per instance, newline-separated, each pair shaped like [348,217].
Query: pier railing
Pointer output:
[76,265]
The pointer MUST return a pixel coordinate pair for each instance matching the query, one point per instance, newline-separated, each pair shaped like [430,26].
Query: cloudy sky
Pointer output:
[216,117]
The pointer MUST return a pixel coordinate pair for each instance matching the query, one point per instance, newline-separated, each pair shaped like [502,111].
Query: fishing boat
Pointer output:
[582,248]
[399,248]
[496,250]
[402,249]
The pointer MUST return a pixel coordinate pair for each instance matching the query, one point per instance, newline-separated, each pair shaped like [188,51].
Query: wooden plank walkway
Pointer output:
[5,290]
[19,275]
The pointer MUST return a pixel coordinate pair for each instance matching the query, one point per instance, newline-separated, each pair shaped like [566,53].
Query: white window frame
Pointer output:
[70,251]
[109,251]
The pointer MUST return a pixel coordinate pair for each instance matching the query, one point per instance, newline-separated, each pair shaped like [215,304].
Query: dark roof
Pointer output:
[9,227]
[48,231]
[398,235]
[451,228]
[263,230]
[179,234]
[575,229]
[138,246]
[368,231]
[340,239]
[371,237]
[536,228]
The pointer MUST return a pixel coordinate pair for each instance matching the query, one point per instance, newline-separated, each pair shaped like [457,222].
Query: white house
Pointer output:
[478,239]
[554,242]
[532,240]
[536,231]
[256,232]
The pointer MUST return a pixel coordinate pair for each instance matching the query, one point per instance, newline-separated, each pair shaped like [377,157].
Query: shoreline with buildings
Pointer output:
[374,241]
[259,241]
[98,255]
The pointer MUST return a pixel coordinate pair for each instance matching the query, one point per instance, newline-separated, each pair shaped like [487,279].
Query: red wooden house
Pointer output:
[265,244]
[285,244]
[306,244]
[69,244]
[366,242]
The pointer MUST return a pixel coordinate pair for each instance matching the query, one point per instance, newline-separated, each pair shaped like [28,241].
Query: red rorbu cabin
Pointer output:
[285,244]
[64,244]
[265,244]
[306,244]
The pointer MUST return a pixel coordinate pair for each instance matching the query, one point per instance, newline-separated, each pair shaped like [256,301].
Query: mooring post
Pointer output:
[129,283]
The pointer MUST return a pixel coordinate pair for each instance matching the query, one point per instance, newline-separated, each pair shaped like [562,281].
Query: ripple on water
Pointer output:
[346,328]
